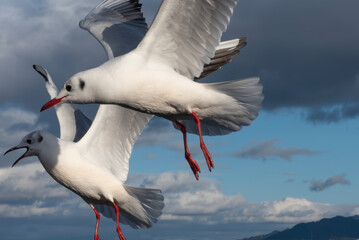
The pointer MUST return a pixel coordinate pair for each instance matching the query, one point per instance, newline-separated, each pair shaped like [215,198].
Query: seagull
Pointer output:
[95,168]
[159,76]
[73,126]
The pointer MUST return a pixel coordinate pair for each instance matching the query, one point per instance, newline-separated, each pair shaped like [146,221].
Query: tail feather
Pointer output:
[247,96]
[151,200]
[145,207]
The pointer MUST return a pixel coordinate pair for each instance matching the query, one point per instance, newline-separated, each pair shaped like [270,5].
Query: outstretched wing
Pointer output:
[73,123]
[118,25]
[110,139]
[185,34]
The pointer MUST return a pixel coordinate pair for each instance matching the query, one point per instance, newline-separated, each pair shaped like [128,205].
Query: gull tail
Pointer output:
[139,212]
[241,108]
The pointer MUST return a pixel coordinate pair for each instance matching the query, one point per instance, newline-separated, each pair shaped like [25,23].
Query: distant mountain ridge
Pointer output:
[337,228]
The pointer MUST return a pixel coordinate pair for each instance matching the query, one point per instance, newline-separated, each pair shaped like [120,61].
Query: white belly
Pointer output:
[87,180]
[172,96]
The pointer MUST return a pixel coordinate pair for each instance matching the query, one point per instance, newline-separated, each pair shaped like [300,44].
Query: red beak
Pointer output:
[51,103]
[16,148]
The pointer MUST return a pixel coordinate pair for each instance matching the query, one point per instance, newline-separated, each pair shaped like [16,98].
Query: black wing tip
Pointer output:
[242,39]
[40,70]
[82,24]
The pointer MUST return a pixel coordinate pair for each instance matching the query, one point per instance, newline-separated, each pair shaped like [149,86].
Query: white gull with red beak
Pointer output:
[95,168]
[157,77]
[73,126]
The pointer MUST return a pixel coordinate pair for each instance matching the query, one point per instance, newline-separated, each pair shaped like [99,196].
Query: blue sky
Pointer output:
[296,162]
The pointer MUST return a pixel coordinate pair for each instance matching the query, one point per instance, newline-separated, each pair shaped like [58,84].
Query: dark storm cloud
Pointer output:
[320,185]
[333,114]
[49,36]
[305,52]
[269,149]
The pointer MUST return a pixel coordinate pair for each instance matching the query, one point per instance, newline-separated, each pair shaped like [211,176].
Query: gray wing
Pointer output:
[73,123]
[225,51]
[118,25]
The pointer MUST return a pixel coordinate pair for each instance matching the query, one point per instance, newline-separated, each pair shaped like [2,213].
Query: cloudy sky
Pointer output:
[297,161]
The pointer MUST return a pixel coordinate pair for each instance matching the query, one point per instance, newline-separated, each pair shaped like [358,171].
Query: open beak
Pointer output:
[52,103]
[16,148]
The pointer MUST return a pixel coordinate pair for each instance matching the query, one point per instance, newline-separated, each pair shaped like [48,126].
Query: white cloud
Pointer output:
[12,116]
[29,181]
[203,201]
[15,123]
[170,217]
[35,209]
[173,182]
[292,210]
[40,28]
[28,191]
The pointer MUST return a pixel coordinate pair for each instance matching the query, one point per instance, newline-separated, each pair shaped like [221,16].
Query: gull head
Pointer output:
[76,90]
[31,142]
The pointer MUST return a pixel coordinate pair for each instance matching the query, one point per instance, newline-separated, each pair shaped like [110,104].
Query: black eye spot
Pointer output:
[68,88]
[40,138]
[29,141]
[82,84]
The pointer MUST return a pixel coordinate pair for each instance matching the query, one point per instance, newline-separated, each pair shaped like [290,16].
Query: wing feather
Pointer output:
[118,25]
[109,142]
[185,33]
[225,51]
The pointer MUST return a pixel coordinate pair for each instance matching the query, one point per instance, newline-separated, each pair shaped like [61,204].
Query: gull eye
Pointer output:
[68,88]
[29,141]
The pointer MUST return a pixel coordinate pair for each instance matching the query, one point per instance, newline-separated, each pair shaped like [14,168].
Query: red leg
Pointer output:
[118,229]
[208,157]
[193,164]
[97,224]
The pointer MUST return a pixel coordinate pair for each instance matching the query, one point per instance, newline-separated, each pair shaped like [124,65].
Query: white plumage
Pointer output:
[83,169]
[96,165]
[96,169]
[157,77]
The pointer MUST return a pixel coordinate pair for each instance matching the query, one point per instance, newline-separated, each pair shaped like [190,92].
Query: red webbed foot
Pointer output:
[193,164]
